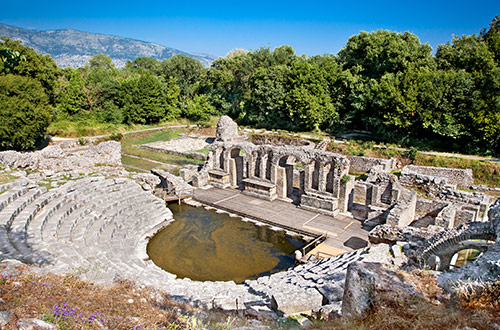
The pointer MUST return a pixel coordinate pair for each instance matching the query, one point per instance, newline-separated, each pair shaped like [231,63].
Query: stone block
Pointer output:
[292,299]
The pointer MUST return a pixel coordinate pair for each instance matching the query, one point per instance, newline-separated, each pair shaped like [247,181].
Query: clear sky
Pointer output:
[216,27]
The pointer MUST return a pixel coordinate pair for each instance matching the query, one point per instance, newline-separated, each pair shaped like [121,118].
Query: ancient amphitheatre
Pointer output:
[95,220]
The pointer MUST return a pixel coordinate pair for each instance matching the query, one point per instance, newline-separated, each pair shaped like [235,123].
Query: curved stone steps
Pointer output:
[17,205]
[125,220]
[11,195]
[23,219]
[81,217]
[63,207]
[91,235]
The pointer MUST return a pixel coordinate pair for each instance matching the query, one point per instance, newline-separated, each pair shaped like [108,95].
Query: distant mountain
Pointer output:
[72,48]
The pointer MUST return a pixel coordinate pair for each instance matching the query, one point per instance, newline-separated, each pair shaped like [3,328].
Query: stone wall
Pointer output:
[455,176]
[67,156]
[365,164]
[403,212]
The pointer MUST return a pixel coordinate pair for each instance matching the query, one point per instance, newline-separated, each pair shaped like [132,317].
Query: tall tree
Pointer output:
[36,66]
[381,52]
[187,71]
[25,112]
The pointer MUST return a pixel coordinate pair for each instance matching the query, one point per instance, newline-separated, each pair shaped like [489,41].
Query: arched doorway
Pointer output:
[237,169]
[291,178]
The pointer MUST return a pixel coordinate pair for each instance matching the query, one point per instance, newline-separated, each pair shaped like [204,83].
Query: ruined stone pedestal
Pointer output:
[260,189]
[219,179]
[317,202]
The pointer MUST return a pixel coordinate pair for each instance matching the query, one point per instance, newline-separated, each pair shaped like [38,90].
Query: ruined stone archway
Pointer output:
[477,235]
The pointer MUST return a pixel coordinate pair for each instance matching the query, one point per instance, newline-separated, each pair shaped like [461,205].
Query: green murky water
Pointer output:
[206,246]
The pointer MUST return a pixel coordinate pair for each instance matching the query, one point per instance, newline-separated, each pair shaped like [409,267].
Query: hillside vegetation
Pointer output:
[383,82]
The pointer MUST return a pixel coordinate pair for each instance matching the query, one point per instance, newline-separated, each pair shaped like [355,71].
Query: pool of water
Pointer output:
[207,246]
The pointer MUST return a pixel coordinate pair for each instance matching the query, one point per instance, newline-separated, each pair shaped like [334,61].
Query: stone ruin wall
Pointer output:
[381,198]
[454,176]
[271,172]
[68,156]
[365,164]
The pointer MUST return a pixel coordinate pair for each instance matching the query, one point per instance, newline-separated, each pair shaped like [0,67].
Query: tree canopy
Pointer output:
[385,82]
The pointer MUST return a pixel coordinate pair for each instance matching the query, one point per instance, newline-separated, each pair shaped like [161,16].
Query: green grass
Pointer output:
[204,151]
[4,178]
[144,138]
[131,141]
[140,163]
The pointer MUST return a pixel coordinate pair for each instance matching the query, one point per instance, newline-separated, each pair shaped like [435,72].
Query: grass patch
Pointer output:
[139,163]
[131,141]
[5,178]
[204,151]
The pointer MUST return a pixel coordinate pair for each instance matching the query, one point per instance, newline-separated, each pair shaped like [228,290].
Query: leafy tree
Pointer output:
[492,37]
[308,101]
[101,61]
[199,109]
[144,100]
[25,112]
[380,52]
[9,59]
[36,66]
[264,105]
[72,100]
[187,71]
[469,53]
[145,64]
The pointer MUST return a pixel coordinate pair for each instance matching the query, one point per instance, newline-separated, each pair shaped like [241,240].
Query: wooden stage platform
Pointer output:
[343,233]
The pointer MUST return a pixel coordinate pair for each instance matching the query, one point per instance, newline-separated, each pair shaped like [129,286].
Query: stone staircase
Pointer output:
[97,228]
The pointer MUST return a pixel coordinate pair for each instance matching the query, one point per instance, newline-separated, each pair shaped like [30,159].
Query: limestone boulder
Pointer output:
[365,284]
[291,299]
[227,129]
[32,324]
[54,151]
[4,318]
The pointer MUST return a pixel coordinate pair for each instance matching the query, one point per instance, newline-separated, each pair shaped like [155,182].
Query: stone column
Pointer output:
[323,174]
[233,175]
[308,169]
[263,166]
[216,155]
[289,178]
[280,181]
[251,166]
[345,195]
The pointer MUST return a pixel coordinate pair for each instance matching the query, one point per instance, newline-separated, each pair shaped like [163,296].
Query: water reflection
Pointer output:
[207,246]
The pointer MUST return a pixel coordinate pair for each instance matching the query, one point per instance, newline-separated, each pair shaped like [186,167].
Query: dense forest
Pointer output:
[383,82]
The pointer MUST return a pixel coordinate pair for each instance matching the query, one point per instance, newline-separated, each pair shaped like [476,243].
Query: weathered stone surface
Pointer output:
[291,299]
[172,183]
[32,324]
[459,177]
[365,164]
[148,181]
[391,234]
[364,284]
[62,157]
[4,318]
[359,291]
[227,129]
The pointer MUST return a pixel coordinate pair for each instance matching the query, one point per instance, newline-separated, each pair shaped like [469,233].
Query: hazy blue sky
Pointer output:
[216,27]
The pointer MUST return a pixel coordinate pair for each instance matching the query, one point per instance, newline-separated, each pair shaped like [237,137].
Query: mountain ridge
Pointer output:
[73,48]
